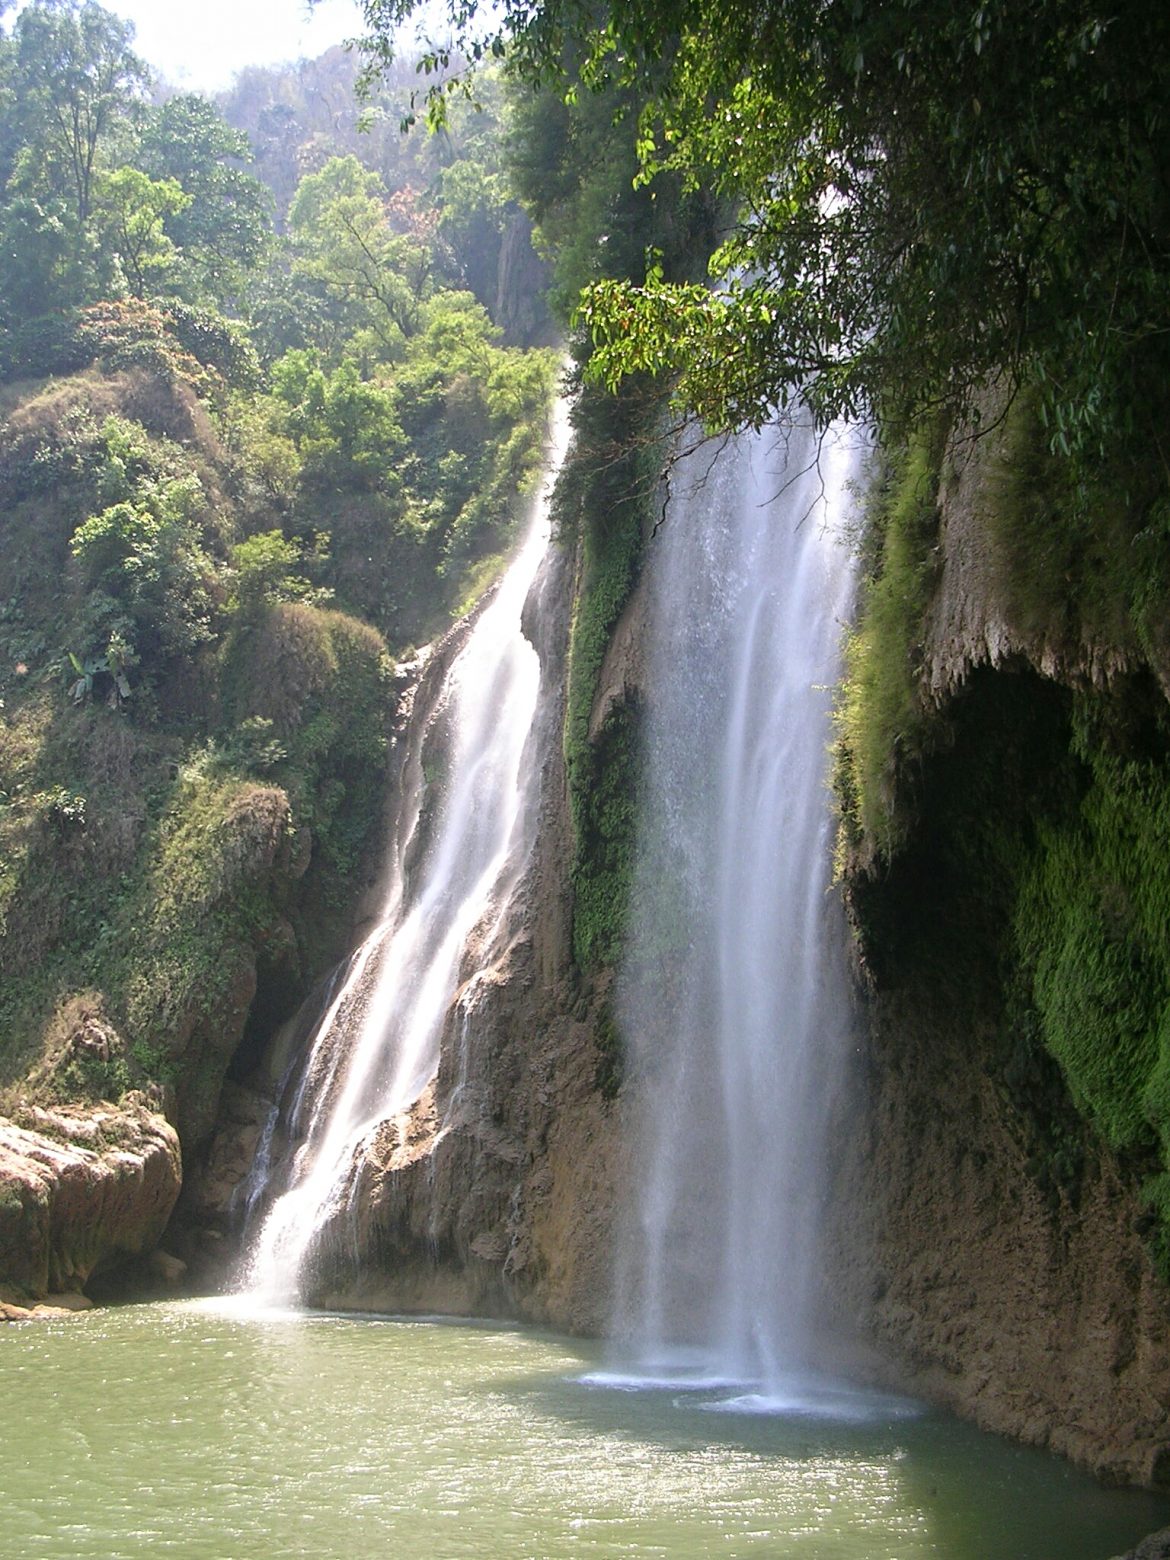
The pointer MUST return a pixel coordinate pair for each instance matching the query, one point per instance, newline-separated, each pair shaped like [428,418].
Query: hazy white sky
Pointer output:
[201,44]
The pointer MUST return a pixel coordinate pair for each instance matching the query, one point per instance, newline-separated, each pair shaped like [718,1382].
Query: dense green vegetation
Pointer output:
[881,717]
[927,196]
[184,729]
[1092,931]
[256,442]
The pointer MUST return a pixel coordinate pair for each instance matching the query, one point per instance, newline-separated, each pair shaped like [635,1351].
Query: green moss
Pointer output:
[1093,934]
[607,817]
[611,1056]
[86,1077]
[881,720]
[158,917]
[1156,1095]
[603,497]
[319,686]
[1079,561]
[71,866]
[205,894]
[1032,902]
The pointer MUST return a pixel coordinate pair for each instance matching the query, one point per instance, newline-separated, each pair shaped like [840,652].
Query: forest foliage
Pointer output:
[262,432]
[924,196]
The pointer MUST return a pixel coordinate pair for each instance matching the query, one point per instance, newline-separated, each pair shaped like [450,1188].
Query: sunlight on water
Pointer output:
[208,1431]
[797,1394]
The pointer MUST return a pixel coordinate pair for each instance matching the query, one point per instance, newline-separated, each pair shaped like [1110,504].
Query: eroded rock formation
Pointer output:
[1035,1313]
[983,1233]
[80,1189]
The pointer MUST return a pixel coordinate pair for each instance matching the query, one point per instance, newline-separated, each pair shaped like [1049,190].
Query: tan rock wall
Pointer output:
[79,1189]
[971,622]
[1035,1316]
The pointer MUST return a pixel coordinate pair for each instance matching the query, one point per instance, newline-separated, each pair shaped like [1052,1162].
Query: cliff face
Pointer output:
[990,1229]
[980,612]
[994,1223]
[522,283]
[494,1195]
[1040,1317]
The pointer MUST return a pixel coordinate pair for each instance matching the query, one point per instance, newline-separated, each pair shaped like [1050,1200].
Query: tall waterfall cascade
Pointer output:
[733,996]
[453,867]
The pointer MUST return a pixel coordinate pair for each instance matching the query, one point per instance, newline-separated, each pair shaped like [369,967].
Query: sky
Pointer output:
[201,44]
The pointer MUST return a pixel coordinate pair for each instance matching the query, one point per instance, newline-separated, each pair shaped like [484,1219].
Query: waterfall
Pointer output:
[732,996]
[454,863]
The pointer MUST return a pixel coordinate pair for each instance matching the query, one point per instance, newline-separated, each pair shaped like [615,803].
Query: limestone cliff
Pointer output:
[995,1224]
[521,309]
[991,1232]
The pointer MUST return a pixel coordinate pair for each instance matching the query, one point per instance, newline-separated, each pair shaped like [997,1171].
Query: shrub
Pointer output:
[144,561]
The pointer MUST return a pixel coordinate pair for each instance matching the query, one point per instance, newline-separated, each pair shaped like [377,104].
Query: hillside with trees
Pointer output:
[262,437]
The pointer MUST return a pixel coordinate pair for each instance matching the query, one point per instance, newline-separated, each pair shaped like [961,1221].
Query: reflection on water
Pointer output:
[197,1431]
[795,1394]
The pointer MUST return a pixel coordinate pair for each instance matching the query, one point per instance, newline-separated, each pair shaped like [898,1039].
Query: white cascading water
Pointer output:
[733,994]
[377,1046]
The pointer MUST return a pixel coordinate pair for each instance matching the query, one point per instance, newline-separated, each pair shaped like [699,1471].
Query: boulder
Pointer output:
[1155,1547]
[167,1269]
[81,1189]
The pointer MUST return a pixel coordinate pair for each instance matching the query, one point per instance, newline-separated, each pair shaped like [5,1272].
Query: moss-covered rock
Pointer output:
[187,771]
[1004,763]
[604,502]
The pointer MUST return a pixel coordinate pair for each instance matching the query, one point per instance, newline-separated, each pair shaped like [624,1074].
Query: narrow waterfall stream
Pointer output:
[732,998]
[377,1046]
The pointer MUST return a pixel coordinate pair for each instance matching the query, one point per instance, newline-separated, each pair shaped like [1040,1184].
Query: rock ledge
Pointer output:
[81,1189]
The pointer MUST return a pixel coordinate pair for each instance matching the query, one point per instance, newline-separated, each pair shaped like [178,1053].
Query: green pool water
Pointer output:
[185,1429]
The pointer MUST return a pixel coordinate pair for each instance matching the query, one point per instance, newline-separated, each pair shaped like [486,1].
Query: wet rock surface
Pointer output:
[1038,1317]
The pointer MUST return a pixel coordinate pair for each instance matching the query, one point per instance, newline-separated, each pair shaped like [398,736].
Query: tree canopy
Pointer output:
[103,193]
[927,195]
[374,419]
